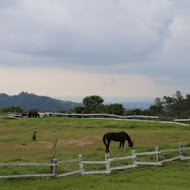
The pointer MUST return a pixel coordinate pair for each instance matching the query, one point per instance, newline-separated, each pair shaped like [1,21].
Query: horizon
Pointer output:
[107,100]
[80,98]
[128,103]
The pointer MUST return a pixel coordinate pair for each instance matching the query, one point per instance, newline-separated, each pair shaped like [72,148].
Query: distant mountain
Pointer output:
[127,102]
[28,101]
[136,105]
[131,103]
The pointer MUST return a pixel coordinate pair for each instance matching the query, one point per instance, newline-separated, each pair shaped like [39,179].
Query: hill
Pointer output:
[28,101]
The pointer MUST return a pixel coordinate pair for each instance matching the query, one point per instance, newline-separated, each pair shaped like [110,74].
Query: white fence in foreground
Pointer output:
[107,163]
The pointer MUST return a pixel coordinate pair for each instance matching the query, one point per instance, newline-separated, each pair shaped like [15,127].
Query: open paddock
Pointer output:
[83,136]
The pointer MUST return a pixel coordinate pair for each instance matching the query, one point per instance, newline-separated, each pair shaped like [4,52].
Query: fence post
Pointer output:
[158,154]
[133,158]
[180,149]
[107,164]
[81,166]
[54,167]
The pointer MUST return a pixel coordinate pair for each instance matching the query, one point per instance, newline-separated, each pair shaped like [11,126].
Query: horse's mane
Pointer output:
[128,137]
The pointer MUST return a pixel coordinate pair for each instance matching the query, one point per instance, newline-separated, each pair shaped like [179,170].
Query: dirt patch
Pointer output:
[77,142]
[34,145]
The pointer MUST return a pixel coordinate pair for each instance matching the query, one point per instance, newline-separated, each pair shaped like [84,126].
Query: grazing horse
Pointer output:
[33,113]
[121,137]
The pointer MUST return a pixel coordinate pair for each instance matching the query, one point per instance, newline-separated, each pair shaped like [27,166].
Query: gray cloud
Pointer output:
[123,36]
[7,4]
[88,32]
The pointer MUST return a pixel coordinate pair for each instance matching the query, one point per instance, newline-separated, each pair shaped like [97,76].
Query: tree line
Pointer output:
[168,107]
[94,104]
[176,106]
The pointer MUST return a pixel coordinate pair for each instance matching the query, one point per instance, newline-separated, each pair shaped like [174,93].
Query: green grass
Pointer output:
[170,177]
[84,136]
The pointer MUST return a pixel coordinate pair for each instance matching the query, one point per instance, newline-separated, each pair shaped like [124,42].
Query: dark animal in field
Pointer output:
[25,114]
[34,136]
[33,113]
[120,137]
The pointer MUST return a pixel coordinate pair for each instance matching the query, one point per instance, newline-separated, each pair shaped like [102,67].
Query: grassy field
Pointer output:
[84,136]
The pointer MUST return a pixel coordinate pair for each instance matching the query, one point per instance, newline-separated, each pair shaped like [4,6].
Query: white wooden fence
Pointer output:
[100,115]
[182,120]
[144,118]
[93,115]
[133,158]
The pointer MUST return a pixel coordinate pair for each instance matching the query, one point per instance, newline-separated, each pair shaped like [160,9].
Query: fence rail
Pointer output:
[182,120]
[26,164]
[133,158]
[100,115]
[67,161]
[146,118]
[172,159]
[185,158]
[121,158]
[149,163]
[24,176]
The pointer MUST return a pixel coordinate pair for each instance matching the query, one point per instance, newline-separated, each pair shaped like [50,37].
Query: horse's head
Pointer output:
[131,144]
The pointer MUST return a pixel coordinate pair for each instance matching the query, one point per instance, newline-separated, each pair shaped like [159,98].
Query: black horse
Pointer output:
[121,137]
[33,113]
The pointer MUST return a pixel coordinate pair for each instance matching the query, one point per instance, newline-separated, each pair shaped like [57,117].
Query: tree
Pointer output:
[117,109]
[188,97]
[12,109]
[79,109]
[134,112]
[178,96]
[173,107]
[92,103]
[157,107]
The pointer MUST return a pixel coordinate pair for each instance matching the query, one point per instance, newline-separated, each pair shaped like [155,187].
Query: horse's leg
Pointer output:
[123,143]
[120,144]
[108,145]
[106,148]
[105,143]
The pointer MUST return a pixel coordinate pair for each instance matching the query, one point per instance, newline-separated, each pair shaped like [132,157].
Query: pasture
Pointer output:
[84,136]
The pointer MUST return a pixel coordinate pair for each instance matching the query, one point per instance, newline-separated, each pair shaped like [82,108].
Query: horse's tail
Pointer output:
[104,140]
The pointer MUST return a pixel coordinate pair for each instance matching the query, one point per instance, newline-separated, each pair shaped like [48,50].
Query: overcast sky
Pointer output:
[123,48]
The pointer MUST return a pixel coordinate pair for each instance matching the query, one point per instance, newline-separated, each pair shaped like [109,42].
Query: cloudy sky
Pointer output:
[115,48]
